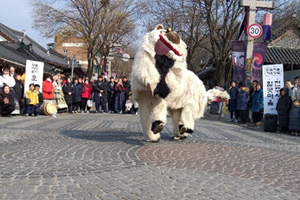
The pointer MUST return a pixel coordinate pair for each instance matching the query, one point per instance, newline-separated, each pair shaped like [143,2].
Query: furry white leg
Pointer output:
[145,109]
[175,119]
[187,117]
[159,112]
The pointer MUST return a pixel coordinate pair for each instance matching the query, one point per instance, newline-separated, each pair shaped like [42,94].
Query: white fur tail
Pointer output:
[214,93]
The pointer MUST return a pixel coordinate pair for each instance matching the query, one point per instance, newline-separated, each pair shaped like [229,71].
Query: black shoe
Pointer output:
[190,131]
[182,129]
[157,127]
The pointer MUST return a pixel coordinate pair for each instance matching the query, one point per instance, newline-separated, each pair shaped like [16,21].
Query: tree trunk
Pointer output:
[220,70]
[91,58]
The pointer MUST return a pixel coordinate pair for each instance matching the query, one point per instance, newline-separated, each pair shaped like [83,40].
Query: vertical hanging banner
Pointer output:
[267,26]
[259,53]
[238,60]
[273,81]
[33,74]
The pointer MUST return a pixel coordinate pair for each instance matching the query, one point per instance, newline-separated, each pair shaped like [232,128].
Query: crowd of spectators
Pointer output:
[248,103]
[79,95]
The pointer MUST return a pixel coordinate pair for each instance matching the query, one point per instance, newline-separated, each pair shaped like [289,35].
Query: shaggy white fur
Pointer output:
[187,99]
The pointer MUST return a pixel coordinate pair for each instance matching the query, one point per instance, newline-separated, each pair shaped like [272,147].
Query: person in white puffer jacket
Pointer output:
[6,79]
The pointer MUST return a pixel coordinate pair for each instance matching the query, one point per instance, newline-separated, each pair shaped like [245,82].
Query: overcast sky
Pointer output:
[16,15]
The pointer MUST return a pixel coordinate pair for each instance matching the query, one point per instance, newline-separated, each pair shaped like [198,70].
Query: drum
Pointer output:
[48,108]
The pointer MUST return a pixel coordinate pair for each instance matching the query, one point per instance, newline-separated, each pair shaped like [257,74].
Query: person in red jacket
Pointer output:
[86,95]
[48,88]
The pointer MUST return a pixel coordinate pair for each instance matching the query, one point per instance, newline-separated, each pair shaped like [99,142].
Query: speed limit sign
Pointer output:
[254,30]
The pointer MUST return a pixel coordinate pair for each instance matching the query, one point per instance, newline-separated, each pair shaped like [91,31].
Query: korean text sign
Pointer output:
[272,83]
[34,74]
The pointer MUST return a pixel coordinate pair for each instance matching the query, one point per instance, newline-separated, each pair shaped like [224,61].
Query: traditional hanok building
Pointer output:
[284,48]
[16,47]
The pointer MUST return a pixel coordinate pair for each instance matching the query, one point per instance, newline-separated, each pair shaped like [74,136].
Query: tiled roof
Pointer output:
[283,55]
[36,48]
[10,52]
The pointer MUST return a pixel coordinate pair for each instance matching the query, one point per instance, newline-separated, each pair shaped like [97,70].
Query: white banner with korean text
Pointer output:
[33,74]
[273,81]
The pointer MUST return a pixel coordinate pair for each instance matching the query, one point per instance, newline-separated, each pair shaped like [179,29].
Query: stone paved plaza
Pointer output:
[105,156]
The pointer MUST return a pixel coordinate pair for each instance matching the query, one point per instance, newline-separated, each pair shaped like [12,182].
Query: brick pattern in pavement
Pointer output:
[96,156]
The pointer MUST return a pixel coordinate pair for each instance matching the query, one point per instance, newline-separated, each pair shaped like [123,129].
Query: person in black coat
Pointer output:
[77,96]
[100,94]
[7,103]
[283,107]
[126,84]
[110,95]
[232,107]
[68,91]
[41,98]
[19,91]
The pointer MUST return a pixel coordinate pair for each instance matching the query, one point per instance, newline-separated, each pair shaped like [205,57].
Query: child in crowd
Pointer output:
[41,98]
[242,103]
[32,100]
[131,106]
[283,107]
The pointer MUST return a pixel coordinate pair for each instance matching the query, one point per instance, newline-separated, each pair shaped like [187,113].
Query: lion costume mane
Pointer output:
[161,84]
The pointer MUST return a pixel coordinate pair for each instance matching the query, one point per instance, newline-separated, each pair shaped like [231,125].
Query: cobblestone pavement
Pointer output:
[97,156]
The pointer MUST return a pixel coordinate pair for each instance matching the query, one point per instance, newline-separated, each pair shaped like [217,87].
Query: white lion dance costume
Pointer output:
[161,83]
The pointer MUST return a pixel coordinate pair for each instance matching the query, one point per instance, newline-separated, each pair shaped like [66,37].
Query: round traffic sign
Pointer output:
[254,30]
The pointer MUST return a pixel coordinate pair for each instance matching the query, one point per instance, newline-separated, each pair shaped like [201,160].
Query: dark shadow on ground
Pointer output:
[132,138]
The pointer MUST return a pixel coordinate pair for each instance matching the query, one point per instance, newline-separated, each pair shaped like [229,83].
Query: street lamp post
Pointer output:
[73,65]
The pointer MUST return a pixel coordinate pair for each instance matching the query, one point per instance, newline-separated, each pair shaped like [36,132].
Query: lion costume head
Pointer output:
[158,42]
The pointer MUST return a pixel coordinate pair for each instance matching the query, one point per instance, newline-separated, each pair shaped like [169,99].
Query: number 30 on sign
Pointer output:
[254,30]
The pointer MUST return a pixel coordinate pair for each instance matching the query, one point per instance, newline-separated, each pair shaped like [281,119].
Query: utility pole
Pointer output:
[252,6]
